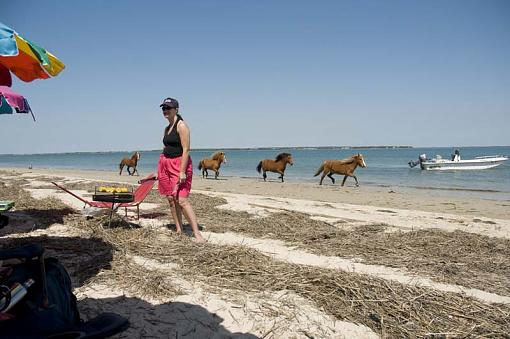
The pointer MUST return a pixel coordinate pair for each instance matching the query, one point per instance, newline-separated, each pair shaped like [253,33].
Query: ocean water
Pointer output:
[386,167]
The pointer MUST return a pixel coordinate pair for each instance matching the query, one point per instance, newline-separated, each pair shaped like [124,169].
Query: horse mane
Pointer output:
[348,160]
[281,156]
[217,156]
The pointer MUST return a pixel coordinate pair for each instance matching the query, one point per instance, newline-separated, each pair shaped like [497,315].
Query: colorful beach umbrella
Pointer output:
[24,58]
[28,62]
[5,77]
[11,102]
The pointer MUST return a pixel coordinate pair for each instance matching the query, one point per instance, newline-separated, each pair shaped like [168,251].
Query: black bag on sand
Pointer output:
[49,308]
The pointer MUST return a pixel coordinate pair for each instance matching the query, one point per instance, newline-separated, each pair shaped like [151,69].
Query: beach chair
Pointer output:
[140,194]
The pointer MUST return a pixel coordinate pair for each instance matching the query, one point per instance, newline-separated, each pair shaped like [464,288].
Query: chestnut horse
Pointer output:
[130,162]
[212,163]
[345,167]
[277,165]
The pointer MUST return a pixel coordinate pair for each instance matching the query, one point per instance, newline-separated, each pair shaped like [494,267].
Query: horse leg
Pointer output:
[322,177]
[206,172]
[129,171]
[357,184]
[121,168]
[264,175]
[281,175]
[136,171]
[330,175]
[345,178]
[216,174]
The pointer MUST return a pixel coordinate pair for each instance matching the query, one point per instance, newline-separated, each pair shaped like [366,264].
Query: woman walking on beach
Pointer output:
[175,169]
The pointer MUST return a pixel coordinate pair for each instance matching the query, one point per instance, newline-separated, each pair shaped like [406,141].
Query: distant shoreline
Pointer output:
[303,148]
[261,149]
[238,149]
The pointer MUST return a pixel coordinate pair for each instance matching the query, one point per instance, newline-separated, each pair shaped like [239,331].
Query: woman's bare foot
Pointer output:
[199,240]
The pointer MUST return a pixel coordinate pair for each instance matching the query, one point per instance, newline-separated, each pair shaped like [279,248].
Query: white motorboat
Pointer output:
[456,163]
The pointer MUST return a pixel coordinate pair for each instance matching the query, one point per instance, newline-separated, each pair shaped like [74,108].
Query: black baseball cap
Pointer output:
[170,102]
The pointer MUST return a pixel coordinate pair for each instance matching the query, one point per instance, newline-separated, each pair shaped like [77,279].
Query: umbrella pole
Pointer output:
[29,109]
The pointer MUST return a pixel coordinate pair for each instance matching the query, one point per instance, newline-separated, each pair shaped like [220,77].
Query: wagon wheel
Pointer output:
[4,221]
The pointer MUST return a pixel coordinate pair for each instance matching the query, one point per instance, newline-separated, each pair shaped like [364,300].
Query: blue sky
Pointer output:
[265,73]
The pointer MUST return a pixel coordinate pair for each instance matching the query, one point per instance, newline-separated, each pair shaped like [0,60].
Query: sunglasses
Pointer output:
[166,108]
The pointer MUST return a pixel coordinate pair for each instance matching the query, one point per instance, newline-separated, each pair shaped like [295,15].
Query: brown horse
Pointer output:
[345,167]
[277,165]
[130,162]
[212,163]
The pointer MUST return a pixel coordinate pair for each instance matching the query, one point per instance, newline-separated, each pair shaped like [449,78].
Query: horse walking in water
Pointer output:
[130,162]
[345,167]
[213,163]
[277,165]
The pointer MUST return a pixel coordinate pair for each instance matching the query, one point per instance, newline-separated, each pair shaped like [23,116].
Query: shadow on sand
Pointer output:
[82,257]
[186,228]
[27,220]
[168,320]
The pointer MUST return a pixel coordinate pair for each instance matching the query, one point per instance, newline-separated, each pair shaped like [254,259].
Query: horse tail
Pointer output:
[319,170]
[200,165]
[259,166]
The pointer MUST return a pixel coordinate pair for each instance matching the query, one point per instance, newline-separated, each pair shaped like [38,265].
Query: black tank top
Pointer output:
[172,142]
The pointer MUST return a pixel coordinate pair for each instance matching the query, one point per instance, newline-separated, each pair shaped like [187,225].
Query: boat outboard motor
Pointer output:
[413,163]
[421,158]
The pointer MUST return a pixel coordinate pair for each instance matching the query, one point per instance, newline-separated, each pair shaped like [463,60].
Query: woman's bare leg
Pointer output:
[175,209]
[186,208]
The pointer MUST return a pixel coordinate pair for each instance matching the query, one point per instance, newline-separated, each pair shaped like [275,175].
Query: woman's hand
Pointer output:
[182,177]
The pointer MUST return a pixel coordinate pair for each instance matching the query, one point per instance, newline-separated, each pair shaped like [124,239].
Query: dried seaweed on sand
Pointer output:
[462,258]
[388,308]
[391,309]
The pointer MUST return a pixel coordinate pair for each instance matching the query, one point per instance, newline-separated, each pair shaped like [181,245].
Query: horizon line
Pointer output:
[264,148]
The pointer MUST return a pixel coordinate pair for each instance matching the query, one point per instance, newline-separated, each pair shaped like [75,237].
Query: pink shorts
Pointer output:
[168,177]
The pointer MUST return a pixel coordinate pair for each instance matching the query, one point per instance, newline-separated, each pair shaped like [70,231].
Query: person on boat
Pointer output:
[456,155]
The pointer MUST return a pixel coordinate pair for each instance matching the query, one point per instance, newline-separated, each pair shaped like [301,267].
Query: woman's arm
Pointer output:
[184,135]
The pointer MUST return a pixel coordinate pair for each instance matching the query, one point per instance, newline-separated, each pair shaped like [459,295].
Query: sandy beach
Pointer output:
[282,260]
